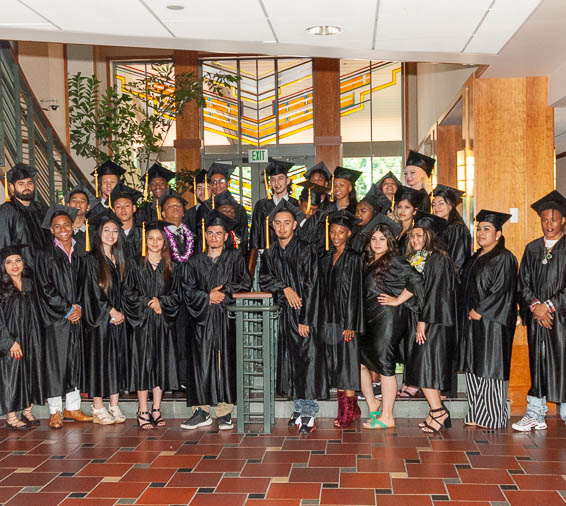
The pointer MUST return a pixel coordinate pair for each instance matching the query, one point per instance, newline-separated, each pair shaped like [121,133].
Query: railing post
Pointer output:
[17,111]
[65,170]
[31,133]
[51,164]
[2,139]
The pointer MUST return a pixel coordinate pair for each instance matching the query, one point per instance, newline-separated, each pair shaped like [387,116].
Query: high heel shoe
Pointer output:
[27,417]
[445,424]
[341,407]
[144,420]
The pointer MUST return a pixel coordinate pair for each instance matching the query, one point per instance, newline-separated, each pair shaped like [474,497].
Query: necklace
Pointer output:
[547,255]
[418,260]
[189,244]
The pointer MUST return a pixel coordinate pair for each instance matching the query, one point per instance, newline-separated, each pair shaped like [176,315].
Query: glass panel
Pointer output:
[355,101]
[386,97]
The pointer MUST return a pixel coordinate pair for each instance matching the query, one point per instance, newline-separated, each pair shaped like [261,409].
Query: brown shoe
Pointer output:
[56,420]
[77,415]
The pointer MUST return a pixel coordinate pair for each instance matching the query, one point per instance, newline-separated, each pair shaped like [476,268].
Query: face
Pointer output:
[173,211]
[109,235]
[378,243]
[218,183]
[200,192]
[107,184]
[62,228]
[552,223]
[414,176]
[124,209]
[417,239]
[284,225]
[14,265]
[79,201]
[441,207]
[155,241]
[303,204]
[339,235]
[389,187]
[364,212]
[318,178]
[157,186]
[227,210]
[405,211]
[342,188]
[216,236]
[279,183]
[486,234]
[23,189]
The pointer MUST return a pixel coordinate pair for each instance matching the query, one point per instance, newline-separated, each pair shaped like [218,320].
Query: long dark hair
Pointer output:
[165,255]
[7,287]
[379,266]
[104,274]
[431,244]
[454,216]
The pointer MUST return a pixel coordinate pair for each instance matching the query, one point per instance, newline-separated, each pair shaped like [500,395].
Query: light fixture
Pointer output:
[324,30]
[175,7]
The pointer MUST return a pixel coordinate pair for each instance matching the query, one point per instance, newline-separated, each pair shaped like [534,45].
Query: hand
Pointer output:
[293,298]
[387,300]
[304,330]
[546,321]
[420,335]
[348,335]
[474,315]
[116,318]
[76,315]
[216,296]
[16,351]
[155,305]
[540,310]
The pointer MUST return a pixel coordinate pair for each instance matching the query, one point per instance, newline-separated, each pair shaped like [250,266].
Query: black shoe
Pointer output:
[225,422]
[293,420]
[360,395]
[200,418]
[377,390]
[307,424]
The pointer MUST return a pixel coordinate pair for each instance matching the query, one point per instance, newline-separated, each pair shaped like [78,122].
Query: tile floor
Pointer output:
[85,464]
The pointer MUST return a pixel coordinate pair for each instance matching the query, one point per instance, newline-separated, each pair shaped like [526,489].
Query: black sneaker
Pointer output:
[307,424]
[377,390]
[225,422]
[361,396]
[200,418]
[295,419]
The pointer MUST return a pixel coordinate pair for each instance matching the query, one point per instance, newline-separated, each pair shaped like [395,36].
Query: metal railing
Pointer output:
[26,134]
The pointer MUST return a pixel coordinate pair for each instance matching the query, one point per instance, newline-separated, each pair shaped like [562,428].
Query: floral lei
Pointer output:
[419,259]
[189,244]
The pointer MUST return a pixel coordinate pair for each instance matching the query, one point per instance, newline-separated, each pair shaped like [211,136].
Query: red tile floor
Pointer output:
[85,464]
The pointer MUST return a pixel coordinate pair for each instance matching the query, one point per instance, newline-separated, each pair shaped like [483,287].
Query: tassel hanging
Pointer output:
[110,201]
[144,244]
[158,209]
[6,190]
[309,202]
[194,191]
[87,236]
[326,242]
[96,182]
[205,189]
[62,199]
[146,186]
[267,232]
[213,198]
[203,236]
[332,189]
[267,192]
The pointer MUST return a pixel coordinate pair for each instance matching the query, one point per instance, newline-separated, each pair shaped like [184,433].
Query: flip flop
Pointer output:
[374,415]
[376,424]
[405,394]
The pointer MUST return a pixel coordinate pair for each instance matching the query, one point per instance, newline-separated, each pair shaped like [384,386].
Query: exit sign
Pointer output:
[257,156]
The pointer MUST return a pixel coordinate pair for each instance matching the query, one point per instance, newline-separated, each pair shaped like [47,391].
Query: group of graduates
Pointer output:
[123,291]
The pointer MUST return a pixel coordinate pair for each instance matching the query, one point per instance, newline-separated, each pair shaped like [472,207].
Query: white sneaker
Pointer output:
[118,416]
[527,423]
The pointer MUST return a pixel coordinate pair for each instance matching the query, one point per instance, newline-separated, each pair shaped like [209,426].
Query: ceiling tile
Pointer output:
[16,15]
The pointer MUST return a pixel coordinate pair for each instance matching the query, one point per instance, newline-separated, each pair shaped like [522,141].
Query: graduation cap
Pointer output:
[377,199]
[554,200]
[13,249]
[81,188]
[20,171]
[430,221]
[311,193]
[319,167]
[220,168]
[344,218]
[407,193]
[276,167]
[389,175]
[285,205]
[108,168]
[382,219]
[57,210]
[217,219]
[121,191]
[496,218]
[422,161]
[156,170]
[224,199]
[452,195]
[344,173]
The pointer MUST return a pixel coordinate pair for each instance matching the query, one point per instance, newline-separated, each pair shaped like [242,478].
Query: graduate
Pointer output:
[106,177]
[405,210]
[226,204]
[374,203]
[150,308]
[289,270]
[179,237]
[21,384]
[21,215]
[456,237]
[312,228]
[320,175]
[418,169]
[201,192]
[488,315]
[156,182]
[393,291]
[542,285]
[57,276]
[343,190]
[389,185]
[123,201]
[341,320]
[83,200]
[429,354]
[105,338]
[207,284]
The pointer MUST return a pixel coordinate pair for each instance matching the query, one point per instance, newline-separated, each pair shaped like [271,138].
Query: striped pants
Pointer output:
[487,402]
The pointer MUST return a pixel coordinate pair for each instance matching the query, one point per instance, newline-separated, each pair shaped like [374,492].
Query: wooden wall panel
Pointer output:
[449,143]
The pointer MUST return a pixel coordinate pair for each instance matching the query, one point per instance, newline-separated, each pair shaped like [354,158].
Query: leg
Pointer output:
[439,416]
[14,423]
[73,407]
[389,393]
[309,409]
[28,417]
[563,411]
[367,390]
[535,415]
[224,415]
[100,413]
[114,409]
[144,420]
[156,408]
[55,412]
[200,418]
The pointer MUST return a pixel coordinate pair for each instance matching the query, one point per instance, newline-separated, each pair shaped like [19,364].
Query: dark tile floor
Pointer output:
[86,464]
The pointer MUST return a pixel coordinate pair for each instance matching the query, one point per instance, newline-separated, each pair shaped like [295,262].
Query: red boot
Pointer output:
[351,413]
[341,406]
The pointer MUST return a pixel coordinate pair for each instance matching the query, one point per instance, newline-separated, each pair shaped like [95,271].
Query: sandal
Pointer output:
[374,423]
[144,420]
[14,423]
[102,417]
[374,415]
[445,424]
[158,422]
[28,418]
[407,394]
[115,412]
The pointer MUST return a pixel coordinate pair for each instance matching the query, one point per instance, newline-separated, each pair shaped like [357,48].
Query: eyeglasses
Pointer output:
[217,182]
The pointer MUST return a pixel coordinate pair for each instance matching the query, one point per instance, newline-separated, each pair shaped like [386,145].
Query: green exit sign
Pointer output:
[257,155]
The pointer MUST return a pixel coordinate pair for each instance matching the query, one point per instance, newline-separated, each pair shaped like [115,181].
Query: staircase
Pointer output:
[26,135]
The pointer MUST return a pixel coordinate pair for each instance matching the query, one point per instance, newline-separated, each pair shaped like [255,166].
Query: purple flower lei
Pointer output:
[189,244]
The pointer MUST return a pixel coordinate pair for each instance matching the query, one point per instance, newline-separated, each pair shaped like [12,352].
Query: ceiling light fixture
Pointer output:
[324,30]
[175,7]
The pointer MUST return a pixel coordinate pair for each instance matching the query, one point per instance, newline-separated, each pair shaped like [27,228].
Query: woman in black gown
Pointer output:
[343,187]
[405,211]
[150,306]
[418,168]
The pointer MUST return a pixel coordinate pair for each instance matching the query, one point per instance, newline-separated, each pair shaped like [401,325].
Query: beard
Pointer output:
[23,196]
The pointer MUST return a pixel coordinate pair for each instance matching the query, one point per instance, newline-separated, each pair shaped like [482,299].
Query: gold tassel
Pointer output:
[110,202]
[194,191]
[213,199]
[267,232]
[62,199]
[158,209]
[205,189]
[144,245]
[6,190]
[267,192]
[309,202]
[96,182]
[326,243]
[203,237]
[332,189]
[146,187]
[87,236]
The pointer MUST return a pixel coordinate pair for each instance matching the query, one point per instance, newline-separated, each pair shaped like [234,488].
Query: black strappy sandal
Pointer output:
[446,424]
[27,417]
[144,420]
[16,424]
[158,422]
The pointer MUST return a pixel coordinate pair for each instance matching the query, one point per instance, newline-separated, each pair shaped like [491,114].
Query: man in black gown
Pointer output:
[542,285]
[124,206]
[320,175]
[81,199]
[157,182]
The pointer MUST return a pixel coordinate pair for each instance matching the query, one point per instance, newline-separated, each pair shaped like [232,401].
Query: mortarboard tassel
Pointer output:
[110,202]
[194,191]
[144,244]
[158,210]
[6,190]
[96,182]
[146,186]
[332,189]
[309,202]
[213,199]
[205,189]
[326,241]
[62,199]
[267,193]
[87,236]
[267,232]
[203,237]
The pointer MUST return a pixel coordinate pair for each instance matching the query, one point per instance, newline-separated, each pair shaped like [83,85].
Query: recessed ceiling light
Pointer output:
[324,30]
[175,7]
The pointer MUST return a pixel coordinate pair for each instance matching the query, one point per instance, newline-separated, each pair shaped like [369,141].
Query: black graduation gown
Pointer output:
[357,242]
[429,365]
[22,381]
[312,231]
[105,345]
[58,288]
[262,209]
[152,336]
[489,285]
[386,326]
[80,241]
[457,242]
[547,347]
[147,213]
[212,345]
[342,310]
[132,242]
[403,243]
[301,364]
[423,201]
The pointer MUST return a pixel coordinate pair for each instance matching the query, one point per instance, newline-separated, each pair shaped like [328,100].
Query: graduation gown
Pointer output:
[386,326]
[547,347]
[457,242]
[152,336]
[489,285]
[429,365]
[147,213]
[22,381]
[301,363]
[58,288]
[212,344]
[132,242]
[423,201]
[342,310]
[403,243]
[80,241]
[262,209]
[105,345]
[312,231]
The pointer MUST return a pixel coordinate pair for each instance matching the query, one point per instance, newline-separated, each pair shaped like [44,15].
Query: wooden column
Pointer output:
[449,143]
[513,150]
[327,138]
